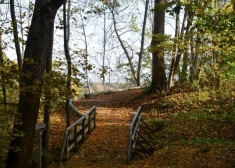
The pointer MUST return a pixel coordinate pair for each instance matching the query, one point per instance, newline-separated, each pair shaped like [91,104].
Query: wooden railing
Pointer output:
[137,130]
[77,132]
[134,126]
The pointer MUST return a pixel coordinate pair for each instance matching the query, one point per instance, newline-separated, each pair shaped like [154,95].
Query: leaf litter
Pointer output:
[188,138]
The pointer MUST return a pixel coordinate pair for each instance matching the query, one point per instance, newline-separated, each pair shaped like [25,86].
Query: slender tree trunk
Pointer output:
[159,81]
[194,60]
[38,44]
[86,56]
[133,72]
[68,57]
[190,15]
[175,52]
[109,74]
[183,75]
[142,43]
[15,33]
[21,27]
[104,52]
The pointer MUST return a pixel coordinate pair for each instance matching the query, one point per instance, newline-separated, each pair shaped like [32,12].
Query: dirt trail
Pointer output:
[106,146]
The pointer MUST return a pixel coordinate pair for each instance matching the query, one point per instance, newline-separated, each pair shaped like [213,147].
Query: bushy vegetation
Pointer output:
[54,82]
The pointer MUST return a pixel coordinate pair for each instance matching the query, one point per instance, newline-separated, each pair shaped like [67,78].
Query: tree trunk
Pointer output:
[194,60]
[188,31]
[104,52]
[86,56]
[158,67]
[38,45]
[142,43]
[68,58]
[183,75]
[133,72]
[175,52]
[15,33]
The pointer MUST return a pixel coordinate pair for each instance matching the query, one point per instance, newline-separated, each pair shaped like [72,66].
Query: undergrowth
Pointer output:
[198,125]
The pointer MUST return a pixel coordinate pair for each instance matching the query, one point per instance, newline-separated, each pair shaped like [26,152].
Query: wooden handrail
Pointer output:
[81,127]
[74,109]
[133,129]
[137,132]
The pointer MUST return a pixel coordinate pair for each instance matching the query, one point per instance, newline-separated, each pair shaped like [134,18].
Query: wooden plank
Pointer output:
[70,136]
[79,138]
[147,125]
[71,146]
[79,128]
[146,141]
[135,151]
[146,149]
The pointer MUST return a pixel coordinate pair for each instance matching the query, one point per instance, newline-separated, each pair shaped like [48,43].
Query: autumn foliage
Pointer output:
[192,129]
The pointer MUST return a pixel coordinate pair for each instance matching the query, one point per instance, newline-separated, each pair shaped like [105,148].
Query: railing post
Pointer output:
[75,137]
[67,148]
[83,129]
[129,146]
[89,123]
[94,117]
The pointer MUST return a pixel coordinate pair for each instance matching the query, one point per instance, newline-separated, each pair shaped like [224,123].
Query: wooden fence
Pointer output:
[137,131]
[76,133]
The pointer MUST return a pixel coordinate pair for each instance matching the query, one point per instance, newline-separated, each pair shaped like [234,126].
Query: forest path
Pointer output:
[106,146]
[203,139]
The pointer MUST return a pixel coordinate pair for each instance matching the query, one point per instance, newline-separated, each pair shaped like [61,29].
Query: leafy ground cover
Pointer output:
[192,129]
